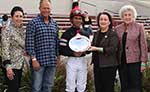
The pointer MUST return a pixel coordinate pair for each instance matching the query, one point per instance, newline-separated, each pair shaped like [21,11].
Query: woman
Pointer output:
[13,43]
[104,57]
[133,50]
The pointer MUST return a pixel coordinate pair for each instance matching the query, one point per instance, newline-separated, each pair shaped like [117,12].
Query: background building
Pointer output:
[61,10]
[64,6]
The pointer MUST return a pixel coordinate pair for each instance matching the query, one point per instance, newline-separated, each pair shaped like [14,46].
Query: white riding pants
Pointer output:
[76,74]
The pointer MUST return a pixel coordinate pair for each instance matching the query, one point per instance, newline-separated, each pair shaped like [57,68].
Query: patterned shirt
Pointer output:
[13,45]
[42,40]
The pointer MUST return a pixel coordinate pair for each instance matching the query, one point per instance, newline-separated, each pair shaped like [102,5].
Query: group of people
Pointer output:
[123,47]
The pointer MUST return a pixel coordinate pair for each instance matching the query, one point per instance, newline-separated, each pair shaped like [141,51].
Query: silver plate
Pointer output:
[79,43]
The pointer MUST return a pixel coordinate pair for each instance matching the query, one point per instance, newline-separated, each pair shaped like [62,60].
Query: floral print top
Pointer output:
[13,45]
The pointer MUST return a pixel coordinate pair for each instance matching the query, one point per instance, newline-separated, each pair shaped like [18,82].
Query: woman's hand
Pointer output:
[143,67]
[10,74]
[93,48]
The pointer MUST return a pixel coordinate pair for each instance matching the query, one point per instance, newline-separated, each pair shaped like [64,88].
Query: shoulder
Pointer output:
[53,22]
[96,33]
[67,32]
[32,24]
[138,25]
[9,28]
[34,20]
[5,32]
[112,33]
[52,19]
[119,26]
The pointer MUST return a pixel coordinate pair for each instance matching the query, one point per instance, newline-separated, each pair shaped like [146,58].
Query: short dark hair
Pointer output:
[109,17]
[74,4]
[5,17]
[16,8]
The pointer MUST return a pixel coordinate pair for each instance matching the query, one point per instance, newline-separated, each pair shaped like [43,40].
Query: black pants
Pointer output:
[130,77]
[13,85]
[104,78]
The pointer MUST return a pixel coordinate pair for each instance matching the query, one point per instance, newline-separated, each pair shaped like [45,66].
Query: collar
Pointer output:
[130,24]
[42,17]
[14,25]
[75,28]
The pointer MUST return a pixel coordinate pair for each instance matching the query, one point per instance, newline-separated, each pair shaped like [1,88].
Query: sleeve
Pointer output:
[113,44]
[5,47]
[64,45]
[90,21]
[29,41]
[87,23]
[57,41]
[94,39]
[143,45]
[0,22]
[88,30]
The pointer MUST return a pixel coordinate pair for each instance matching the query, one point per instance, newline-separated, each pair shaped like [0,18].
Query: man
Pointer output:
[76,67]
[42,46]
[87,21]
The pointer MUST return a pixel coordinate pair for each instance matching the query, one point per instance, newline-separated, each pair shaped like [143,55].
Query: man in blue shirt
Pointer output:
[42,46]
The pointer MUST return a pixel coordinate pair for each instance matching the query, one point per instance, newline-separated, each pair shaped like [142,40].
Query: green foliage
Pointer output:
[90,82]
[3,85]
[60,33]
[26,82]
[117,86]
[146,80]
[0,49]
[59,85]
[60,81]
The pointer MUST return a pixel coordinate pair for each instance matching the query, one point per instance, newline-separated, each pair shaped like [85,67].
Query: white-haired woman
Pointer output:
[133,50]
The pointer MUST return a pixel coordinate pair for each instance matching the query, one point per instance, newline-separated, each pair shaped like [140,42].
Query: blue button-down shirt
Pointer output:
[42,40]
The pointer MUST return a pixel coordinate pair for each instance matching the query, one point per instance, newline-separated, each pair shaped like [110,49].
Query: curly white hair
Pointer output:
[128,8]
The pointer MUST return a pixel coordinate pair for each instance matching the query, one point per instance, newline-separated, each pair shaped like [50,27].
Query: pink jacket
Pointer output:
[136,45]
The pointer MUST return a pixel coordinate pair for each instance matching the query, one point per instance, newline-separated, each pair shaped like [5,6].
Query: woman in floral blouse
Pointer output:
[13,54]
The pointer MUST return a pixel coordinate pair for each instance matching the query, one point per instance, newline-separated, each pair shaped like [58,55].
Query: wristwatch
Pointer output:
[34,59]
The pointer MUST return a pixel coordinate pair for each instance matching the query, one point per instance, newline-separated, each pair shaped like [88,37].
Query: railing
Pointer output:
[64,21]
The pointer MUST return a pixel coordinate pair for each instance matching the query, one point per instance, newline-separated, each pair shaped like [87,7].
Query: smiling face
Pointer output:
[45,8]
[128,16]
[104,21]
[77,21]
[17,18]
